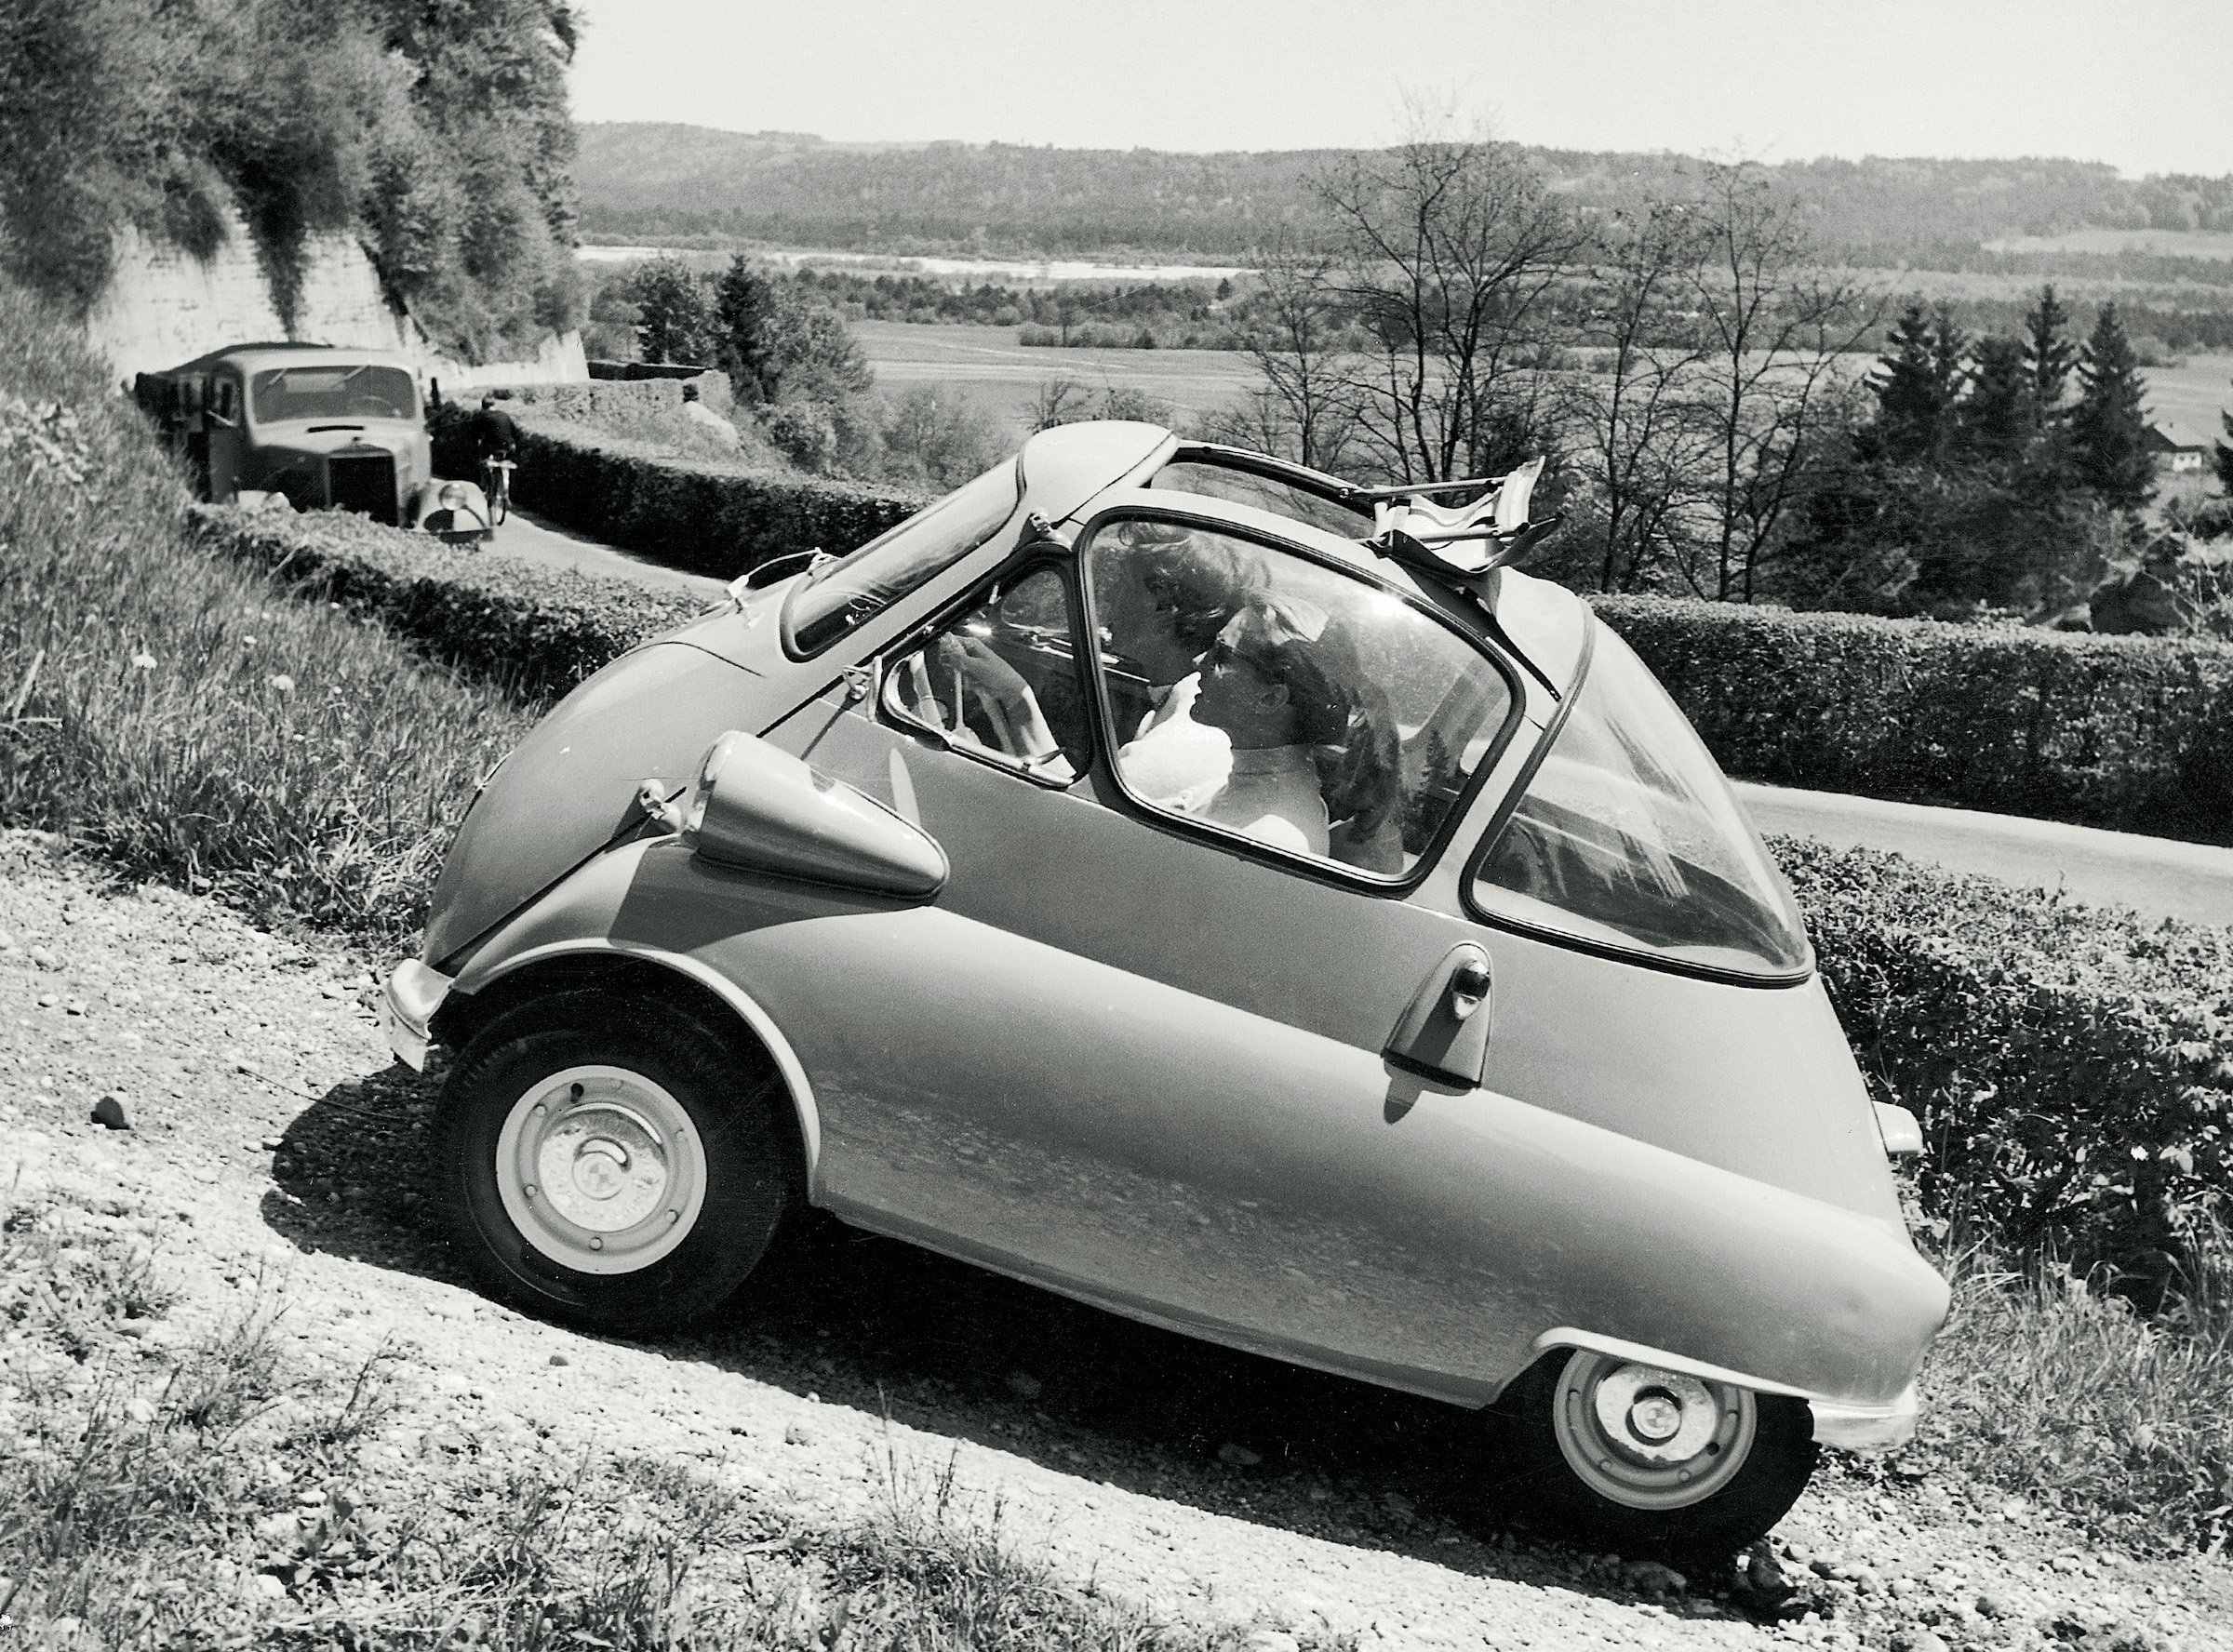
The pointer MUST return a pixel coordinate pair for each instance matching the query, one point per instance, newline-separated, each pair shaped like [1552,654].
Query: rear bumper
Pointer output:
[407,1010]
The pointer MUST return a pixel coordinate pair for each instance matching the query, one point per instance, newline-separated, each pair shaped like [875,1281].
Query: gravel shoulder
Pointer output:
[273,1147]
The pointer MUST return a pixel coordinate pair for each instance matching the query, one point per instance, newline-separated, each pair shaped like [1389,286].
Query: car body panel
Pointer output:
[1415,1234]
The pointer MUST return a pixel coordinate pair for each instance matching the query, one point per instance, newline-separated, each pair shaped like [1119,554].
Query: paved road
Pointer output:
[2156,875]
[538,539]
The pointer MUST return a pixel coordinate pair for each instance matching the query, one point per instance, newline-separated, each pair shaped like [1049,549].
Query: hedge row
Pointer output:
[536,630]
[2130,732]
[2072,1065]
[702,515]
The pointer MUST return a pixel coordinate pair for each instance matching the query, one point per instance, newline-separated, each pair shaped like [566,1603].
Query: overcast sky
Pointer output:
[2141,84]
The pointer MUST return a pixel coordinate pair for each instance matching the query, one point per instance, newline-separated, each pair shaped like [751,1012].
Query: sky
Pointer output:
[2140,84]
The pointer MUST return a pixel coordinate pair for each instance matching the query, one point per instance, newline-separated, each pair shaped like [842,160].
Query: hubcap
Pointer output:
[600,1169]
[1650,1438]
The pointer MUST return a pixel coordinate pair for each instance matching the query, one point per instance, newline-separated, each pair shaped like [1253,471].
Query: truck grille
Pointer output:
[363,482]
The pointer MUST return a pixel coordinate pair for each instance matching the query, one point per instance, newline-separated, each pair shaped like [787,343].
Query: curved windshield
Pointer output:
[332,390]
[839,595]
[1629,836]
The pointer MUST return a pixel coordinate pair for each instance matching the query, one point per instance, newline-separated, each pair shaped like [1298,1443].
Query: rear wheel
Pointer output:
[1640,1459]
[613,1162]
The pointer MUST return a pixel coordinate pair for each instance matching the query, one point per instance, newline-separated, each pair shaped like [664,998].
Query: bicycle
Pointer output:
[497,488]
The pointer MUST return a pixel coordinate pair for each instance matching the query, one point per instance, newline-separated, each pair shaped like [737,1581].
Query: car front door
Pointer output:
[1156,1045]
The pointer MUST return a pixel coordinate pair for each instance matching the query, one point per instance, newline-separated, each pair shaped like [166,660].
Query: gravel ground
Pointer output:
[273,1146]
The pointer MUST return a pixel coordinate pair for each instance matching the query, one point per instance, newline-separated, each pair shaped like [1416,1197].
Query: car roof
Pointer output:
[256,357]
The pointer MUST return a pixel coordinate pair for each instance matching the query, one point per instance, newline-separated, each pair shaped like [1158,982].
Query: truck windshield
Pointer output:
[1630,838]
[841,594]
[332,390]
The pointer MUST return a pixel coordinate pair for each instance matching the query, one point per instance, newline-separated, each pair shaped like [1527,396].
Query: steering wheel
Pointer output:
[374,406]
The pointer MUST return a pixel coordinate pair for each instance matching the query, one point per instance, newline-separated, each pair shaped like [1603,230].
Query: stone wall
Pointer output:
[164,307]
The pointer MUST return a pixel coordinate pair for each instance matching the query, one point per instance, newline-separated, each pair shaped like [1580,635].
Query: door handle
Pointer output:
[1468,987]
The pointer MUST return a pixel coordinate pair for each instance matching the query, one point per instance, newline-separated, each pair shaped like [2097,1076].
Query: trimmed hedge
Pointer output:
[702,515]
[2131,732]
[2072,1065]
[536,630]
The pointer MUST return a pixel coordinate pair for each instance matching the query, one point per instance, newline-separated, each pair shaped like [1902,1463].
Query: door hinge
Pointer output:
[859,680]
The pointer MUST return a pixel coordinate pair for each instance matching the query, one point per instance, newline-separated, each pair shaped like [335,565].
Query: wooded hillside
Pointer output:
[649,178]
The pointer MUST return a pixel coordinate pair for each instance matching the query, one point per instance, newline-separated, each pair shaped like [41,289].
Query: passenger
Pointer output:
[1268,684]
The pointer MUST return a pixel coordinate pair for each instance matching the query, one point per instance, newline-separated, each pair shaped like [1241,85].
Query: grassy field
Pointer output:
[2193,243]
[987,365]
[2191,399]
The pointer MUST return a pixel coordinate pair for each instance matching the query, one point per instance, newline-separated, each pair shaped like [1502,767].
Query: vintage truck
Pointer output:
[327,428]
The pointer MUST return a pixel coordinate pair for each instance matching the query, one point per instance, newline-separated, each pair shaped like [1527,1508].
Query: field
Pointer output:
[989,366]
[2194,244]
[2187,401]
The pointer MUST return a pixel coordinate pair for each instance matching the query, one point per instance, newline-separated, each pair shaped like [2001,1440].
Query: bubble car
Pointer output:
[1218,893]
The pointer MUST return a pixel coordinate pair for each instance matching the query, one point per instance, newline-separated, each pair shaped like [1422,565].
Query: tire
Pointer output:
[680,1155]
[1578,1438]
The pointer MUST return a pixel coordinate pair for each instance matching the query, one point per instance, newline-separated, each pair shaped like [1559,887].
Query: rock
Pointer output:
[1917,1640]
[1991,1605]
[140,1408]
[274,1143]
[794,1435]
[1025,1385]
[45,960]
[111,1111]
[1270,1640]
[48,1000]
[266,1585]
[76,1006]
[1234,1454]
[1649,1578]
[559,1359]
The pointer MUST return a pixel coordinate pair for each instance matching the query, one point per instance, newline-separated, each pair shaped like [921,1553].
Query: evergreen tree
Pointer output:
[1994,421]
[674,320]
[2225,456]
[2107,427]
[2048,354]
[1921,378]
[744,307]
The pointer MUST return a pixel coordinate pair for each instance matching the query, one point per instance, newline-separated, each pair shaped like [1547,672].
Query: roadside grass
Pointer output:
[2056,1389]
[202,1490]
[178,711]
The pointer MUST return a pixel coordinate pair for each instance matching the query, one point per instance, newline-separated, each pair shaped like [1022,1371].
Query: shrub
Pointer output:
[537,631]
[2099,730]
[2072,1066]
[721,517]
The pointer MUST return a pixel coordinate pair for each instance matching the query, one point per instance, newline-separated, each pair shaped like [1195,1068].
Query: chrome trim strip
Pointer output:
[747,1008]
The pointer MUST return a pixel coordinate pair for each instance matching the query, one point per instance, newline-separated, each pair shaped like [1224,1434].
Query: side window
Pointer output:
[1267,493]
[1266,695]
[1001,682]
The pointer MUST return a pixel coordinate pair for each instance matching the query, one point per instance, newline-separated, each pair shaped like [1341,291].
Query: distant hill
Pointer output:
[652,179]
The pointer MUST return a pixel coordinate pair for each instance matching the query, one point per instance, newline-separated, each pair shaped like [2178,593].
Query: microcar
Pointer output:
[1218,893]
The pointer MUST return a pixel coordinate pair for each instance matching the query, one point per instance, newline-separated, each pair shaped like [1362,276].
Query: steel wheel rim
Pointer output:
[600,1169]
[1646,1437]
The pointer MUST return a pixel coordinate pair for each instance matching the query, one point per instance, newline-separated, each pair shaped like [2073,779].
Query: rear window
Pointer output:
[1629,837]
[839,596]
[335,389]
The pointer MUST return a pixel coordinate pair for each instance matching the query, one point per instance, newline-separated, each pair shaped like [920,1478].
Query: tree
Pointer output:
[1448,248]
[1640,439]
[2107,427]
[744,305]
[809,356]
[1922,378]
[2224,455]
[1307,406]
[674,320]
[1773,328]
[2049,355]
[1997,420]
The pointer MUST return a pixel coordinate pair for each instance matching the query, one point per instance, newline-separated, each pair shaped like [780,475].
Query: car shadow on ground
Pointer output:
[956,1351]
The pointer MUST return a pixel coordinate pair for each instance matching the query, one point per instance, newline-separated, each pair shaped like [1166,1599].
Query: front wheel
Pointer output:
[1644,1460]
[612,1162]
[500,495]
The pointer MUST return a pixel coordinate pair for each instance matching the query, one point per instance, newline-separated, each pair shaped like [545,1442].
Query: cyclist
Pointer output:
[495,438]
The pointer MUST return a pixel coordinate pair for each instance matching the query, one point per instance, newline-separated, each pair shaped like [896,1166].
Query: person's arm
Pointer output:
[1003,687]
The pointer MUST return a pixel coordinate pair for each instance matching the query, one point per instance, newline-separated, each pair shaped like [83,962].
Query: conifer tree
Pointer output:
[2225,456]
[1921,377]
[2048,354]
[1994,421]
[2107,427]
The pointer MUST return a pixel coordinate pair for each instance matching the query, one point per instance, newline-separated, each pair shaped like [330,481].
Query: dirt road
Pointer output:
[270,1132]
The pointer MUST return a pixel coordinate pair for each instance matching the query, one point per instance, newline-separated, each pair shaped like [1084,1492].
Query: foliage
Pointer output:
[2072,1066]
[2105,731]
[2222,455]
[2108,427]
[721,517]
[184,715]
[437,134]
[535,631]
[674,319]
[939,438]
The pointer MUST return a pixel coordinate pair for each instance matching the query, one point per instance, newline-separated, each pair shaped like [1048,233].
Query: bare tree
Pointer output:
[1640,423]
[1450,248]
[1305,409]
[1772,327]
